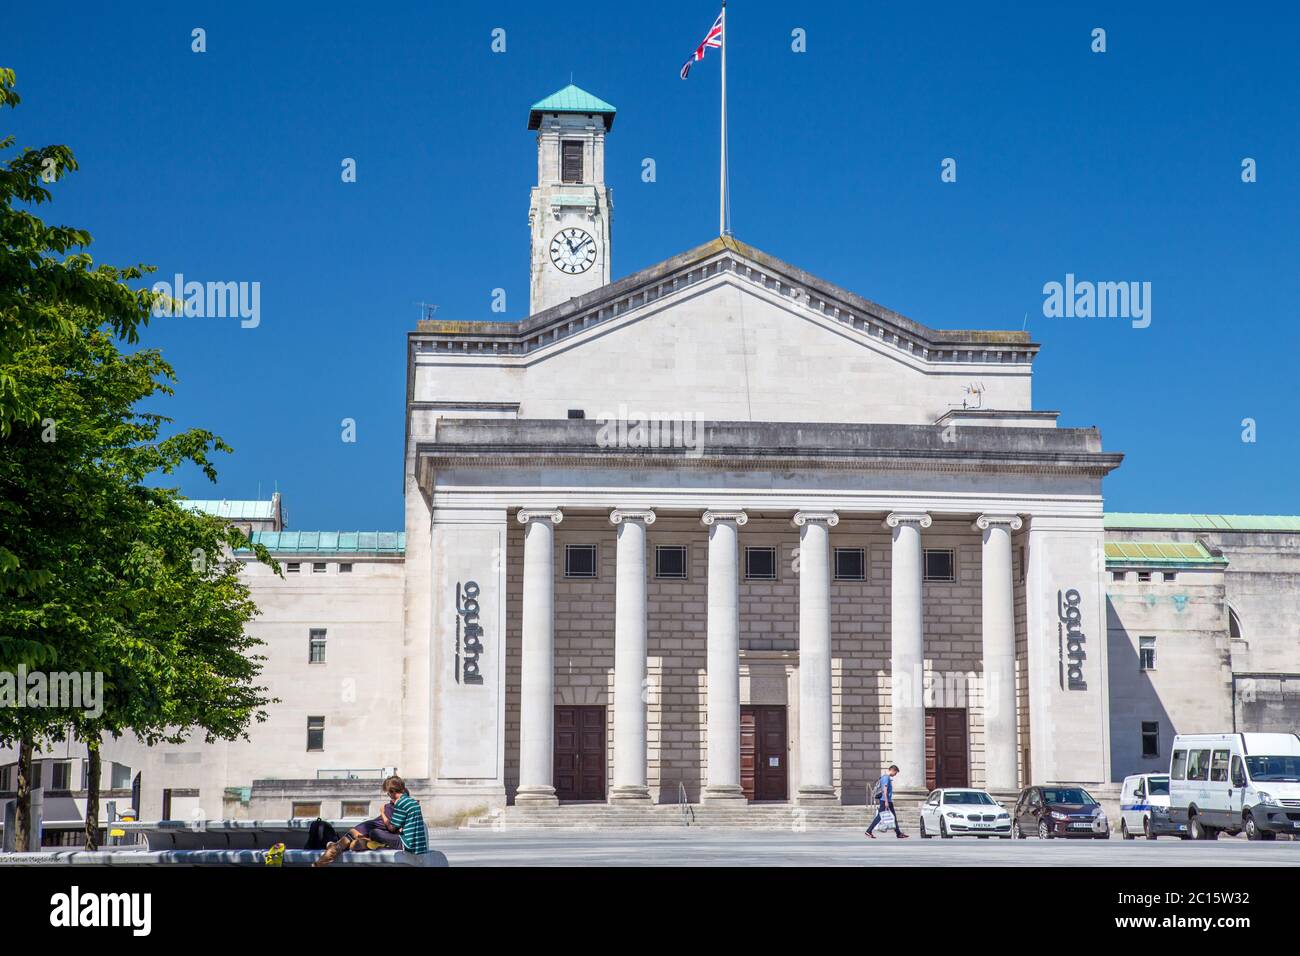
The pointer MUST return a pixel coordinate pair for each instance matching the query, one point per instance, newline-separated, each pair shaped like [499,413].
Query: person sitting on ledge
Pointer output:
[399,826]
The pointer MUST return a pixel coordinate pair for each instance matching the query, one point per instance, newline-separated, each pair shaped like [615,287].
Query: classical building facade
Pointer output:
[721,528]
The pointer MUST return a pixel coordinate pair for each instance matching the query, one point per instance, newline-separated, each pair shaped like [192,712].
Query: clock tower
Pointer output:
[570,210]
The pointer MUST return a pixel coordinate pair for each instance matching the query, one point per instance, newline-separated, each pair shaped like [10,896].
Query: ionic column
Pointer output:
[724,656]
[816,782]
[907,647]
[537,677]
[998,602]
[630,752]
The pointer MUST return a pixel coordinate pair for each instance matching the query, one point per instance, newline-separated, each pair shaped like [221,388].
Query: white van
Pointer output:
[1139,796]
[1233,782]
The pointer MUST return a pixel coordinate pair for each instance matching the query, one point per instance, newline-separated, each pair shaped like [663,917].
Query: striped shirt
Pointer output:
[410,823]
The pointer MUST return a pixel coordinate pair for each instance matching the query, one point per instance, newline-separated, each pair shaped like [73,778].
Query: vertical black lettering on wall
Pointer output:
[1070,629]
[469,634]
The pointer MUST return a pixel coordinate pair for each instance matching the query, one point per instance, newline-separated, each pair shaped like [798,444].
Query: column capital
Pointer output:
[801,518]
[895,518]
[525,515]
[619,515]
[711,516]
[985,521]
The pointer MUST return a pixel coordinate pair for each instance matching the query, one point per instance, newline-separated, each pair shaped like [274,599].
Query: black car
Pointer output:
[1059,811]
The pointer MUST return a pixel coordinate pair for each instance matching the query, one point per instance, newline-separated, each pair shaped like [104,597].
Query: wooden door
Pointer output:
[946,749]
[580,753]
[763,753]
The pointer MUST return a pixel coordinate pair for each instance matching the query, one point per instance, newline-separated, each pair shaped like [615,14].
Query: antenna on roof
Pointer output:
[427,310]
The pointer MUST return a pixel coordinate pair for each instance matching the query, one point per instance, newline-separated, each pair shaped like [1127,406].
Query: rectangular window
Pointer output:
[292,567]
[760,564]
[119,776]
[670,561]
[1198,765]
[1178,768]
[60,779]
[850,564]
[1147,653]
[1150,738]
[36,774]
[356,808]
[7,777]
[571,161]
[315,734]
[940,564]
[345,569]
[305,811]
[579,560]
[1170,576]
[1219,766]
[318,567]
[1118,575]
[1144,575]
[316,646]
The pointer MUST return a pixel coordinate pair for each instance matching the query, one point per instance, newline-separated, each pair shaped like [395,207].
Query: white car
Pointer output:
[963,811]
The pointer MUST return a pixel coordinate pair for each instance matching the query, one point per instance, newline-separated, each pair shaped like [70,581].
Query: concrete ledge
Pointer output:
[216,858]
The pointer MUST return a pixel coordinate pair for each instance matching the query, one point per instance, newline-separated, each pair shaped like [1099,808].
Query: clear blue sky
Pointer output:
[1117,166]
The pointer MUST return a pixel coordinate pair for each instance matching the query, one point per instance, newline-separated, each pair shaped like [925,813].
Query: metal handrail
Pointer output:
[688,814]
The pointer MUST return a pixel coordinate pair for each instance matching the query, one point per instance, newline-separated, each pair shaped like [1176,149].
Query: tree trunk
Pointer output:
[23,815]
[92,793]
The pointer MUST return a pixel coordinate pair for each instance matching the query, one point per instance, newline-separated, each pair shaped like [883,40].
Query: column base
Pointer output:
[630,795]
[816,796]
[536,797]
[724,794]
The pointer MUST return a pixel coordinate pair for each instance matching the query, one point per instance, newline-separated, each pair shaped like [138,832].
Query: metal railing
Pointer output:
[688,812]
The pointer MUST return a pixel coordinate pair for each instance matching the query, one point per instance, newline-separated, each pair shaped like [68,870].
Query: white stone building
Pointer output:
[725,528]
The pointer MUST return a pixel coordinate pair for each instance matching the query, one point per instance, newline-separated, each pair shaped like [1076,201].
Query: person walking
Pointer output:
[884,794]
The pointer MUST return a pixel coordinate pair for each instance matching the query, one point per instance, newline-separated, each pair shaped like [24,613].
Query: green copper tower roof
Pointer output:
[571,99]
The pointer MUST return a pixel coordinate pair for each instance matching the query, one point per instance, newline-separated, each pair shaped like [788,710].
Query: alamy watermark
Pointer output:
[61,690]
[1098,300]
[212,300]
[634,429]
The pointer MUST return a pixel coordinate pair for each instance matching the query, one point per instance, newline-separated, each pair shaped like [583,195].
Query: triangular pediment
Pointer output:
[755,273]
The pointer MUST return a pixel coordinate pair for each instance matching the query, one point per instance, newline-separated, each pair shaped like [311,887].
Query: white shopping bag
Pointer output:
[887,821]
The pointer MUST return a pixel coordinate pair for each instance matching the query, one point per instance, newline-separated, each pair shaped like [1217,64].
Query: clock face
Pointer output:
[573,251]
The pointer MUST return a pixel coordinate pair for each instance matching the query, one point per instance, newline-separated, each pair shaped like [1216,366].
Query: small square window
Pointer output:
[315,734]
[1144,575]
[1170,577]
[1146,653]
[670,561]
[579,560]
[1118,575]
[939,564]
[850,564]
[1150,738]
[292,567]
[318,567]
[316,650]
[345,569]
[356,808]
[760,564]
[306,811]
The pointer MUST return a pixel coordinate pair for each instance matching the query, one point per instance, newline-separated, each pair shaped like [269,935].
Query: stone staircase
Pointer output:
[758,816]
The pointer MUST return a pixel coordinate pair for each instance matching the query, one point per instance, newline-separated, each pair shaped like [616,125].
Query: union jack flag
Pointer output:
[711,39]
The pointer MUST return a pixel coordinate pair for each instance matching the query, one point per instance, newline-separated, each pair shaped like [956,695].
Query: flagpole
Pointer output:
[722,172]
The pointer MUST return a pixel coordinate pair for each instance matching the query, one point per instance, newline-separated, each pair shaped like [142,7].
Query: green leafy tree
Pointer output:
[99,571]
